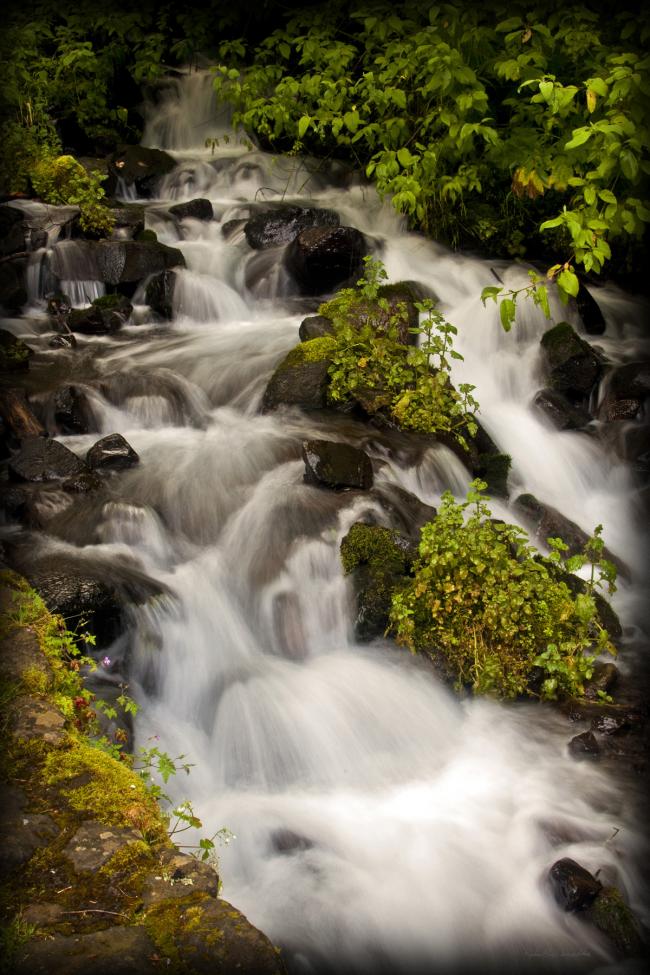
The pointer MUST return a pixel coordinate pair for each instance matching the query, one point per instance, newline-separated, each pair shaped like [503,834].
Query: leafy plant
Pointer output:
[374,366]
[63,180]
[483,599]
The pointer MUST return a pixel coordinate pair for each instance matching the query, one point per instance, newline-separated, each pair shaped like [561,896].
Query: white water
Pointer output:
[381,825]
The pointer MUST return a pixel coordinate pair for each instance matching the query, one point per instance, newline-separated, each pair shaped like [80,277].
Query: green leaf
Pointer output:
[579,137]
[351,120]
[629,164]
[507,311]
[607,196]
[568,282]
[405,158]
[490,292]
[303,125]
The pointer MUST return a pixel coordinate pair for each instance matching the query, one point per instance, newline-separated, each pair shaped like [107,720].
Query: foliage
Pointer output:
[483,598]
[484,122]
[63,180]
[372,366]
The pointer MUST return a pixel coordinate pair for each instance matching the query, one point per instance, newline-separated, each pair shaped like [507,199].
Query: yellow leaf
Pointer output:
[591,99]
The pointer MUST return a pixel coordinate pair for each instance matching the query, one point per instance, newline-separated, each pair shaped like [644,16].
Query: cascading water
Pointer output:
[381,824]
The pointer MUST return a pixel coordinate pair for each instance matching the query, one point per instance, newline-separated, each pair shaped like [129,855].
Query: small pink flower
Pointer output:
[106,661]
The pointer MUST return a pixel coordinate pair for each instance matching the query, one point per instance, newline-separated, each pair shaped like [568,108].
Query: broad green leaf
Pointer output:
[568,282]
[629,164]
[303,125]
[607,196]
[507,310]
[405,158]
[580,136]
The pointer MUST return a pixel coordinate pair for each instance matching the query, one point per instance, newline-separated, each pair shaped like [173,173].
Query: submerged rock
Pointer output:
[574,888]
[140,167]
[336,465]
[71,411]
[563,414]
[282,224]
[112,453]
[44,460]
[198,209]
[302,378]
[572,365]
[584,746]
[321,258]
[159,293]
[407,513]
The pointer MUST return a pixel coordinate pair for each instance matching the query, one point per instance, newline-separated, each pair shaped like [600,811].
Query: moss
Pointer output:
[167,923]
[129,868]
[380,564]
[109,301]
[315,350]
[147,235]
[14,353]
[374,546]
[35,681]
[611,915]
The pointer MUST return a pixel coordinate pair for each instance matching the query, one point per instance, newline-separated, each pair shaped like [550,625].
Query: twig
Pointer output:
[95,910]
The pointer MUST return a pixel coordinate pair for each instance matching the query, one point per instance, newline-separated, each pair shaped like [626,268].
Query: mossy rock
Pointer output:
[379,560]
[494,470]
[302,378]
[611,915]
[14,353]
[573,366]
[146,235]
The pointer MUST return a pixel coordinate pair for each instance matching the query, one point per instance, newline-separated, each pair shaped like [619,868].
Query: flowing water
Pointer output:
[381,824]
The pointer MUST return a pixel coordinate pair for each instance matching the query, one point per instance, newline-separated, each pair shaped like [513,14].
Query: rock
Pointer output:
[178,875]
[13,294]
[405,510]
[589,311]
[611,915]
[302,377]
[574,888]
[611,724]
[82,483]
[20,653]
[21,831]
[77,591]
[148,236]
[614,410]
[20,420]
[560,411]
[493,468]
[232,229]
[572,365]
[631,381]
[603,679]
[282,224]
[12,231]
[584,746]
[121,261]
[33,719]
[159,293]
[315,327]
[140,167]
[71,411]
[112,453]
[105,315]
[378,559]
[117,950]
[129,217]
[44,460]
[336,465]
[94,844]
[321,258]
[286,841]
[14,353]
[199,209]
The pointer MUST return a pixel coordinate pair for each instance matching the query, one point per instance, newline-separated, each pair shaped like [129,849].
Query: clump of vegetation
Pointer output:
[63,180]
[373,366]
[483,598]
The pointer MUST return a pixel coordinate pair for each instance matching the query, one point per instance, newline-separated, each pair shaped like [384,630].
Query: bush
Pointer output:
[63,180]
[483,598]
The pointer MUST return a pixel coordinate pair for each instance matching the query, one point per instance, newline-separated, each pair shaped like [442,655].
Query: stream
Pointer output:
[380,823]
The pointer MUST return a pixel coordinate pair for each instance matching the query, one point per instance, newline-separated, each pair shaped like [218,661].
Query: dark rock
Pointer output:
[405,510]
[14,353]
[606,615]
[122,261]
[321,258]
[584,746]
[574,888]
[603,679]
[611,915]
[611,724]
[146,236]
[140,167]
[20,421]
[631,381]
[302,378]
[82,483]
[336,465]
[13,294]
[77,591]
[159,293]
[104,316]
[315,327]
[378,560]
[590,313]
[94,844]
[282,224]
[196,209]
[117,950]
[231,228]
[493,468]
[572,364]
[129,217]
[613,410]
[21,832]
[12,231]
[112,453]
[286,841]
[71,411]
[560,411]
[44,460]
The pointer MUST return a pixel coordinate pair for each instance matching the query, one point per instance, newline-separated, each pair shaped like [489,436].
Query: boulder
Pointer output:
[560,411]
[320,258]
[302,378]
[572,365]
[611,915]
[584,746]
[112,453]
[407,513]
[631,381]
[159,293]
[603,679]
[232,229]
[117,950]
[44,460]
[14,353]
[493,468]
[129,218]
[281,225]
[104,316]
[336,465]
[177,872]
[77,591]
[12,285]
[315,327]
[574,888]
[12,231]
[93,844]
[378,560]
[590,313]
[140,167]
[199,209]
[121,261]
[71,411]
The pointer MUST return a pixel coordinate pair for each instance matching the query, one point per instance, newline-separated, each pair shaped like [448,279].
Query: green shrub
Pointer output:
[63,180]
[483,598]
[372,366]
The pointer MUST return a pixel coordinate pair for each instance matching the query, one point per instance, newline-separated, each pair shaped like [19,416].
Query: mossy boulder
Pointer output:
[14,353]
[104,315]
[302,378]
[572,364]
[611,915]
[378,560]
[315,327]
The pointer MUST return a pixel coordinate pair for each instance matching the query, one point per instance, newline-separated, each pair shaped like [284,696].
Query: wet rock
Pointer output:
[198,209]
[590,313]
[611,724]
[233,229]
[302,378]
[128,217]
[574,888]
[19,504]
[286,841]
[614,410]
[493,468]
[611,915]
[82,483]
[159,293]
[13,294]
[572,364]
[71,411]
[118,950]
[77,591]
[121,261]
[14,353]
[36,719]
[179,874]
[405,510]
[336,465]
[140,167]
[377,559]
[603,679]
[94,844]
[112,453]
[21,423]
[104,316]
[281,225]
[315,327]
[560,411]
[43,915]
[631,380]
[584,746]
[321,258]
[44,460]
[12,231]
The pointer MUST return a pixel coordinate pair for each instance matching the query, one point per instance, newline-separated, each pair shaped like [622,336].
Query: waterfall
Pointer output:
[382,825]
